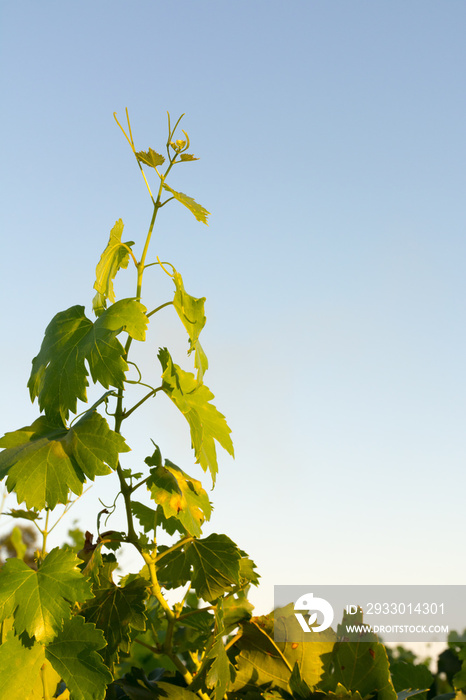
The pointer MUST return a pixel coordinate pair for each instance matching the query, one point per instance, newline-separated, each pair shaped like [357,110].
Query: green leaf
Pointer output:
[44,461]
[215,565]
[187,157]
[206,423]
[73,655]
[20,668]
[59,374]
[196,209]
[117,611]
[211,564]
[404,694]
[459,679]
[180,496]
[146,516]
[236,609]
[24,514]
[299,688]
[16,539]
[406,676]
[137,686]
[173,568]
[363,666]
[222,672]
[262,660]
[155,460]
[114,257]
[150,158]
[247,570]
[191,312]
[40,600]
[341,693]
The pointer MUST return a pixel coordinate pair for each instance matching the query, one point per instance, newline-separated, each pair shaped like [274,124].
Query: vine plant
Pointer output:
[68,630]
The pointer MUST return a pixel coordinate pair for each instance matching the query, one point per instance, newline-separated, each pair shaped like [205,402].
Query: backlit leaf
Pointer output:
[45,461]
[196,209]
[20,668]
[206,423]
[25,514]
[73,655]
[180,496]
[114,257]
[262,660]
[191,312]
[117,610]
[59,375]
[173,568]
[408,676]
[187,157]
[150,158]
[41,600]
[363,666]
[222,672]
[215,564]
[146,516]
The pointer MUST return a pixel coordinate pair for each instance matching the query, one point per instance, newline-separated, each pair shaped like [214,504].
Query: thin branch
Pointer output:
[139,403]
[162,306]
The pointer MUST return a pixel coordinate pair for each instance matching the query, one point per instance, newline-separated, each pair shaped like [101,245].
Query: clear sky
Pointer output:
[332,146]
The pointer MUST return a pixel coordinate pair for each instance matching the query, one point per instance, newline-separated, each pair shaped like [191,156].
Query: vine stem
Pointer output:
[45,689]
[45,533]
[121,414]
[127,414]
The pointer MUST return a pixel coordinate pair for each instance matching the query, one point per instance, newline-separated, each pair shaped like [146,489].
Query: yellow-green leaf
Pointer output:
[180,496]
[150,158]
[191,313]
[114,257]
[44,461]
[206,423]
[196,209]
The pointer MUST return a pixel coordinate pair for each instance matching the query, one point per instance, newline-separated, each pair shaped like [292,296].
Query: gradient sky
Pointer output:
[332,146]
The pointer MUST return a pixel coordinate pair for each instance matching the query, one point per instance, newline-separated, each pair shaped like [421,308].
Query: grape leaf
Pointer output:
[59,375]
[146,516]
[173,568]
[362,666]
[40,600]
[408,676]
[16,539]
[191,312]
[117,610]
[44,461]
[299,688]
[137,686]
[215,564]
[222,672]
[114,257]
[180,496]
[341,693]
[196,209]
[212,564]
[236,609]
[24,514]
[20,668]
[262,660]
[206,423]
[150,158]
[73,655]
[187,157]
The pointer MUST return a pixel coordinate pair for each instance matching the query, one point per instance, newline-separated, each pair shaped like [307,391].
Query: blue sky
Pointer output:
[332,146]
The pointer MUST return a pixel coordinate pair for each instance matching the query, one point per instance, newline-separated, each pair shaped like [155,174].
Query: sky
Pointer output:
[331,138]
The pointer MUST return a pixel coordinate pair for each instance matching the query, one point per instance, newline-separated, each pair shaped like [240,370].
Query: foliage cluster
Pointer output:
[68,628]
